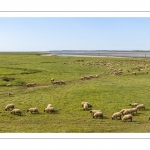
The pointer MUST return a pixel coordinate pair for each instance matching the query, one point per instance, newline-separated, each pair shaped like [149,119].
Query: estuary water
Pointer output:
[105,53]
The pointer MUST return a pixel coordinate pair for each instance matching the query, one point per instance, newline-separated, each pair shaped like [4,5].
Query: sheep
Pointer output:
[140,106]
[96,76]
[49,105]
[62,82]
[133,110]
[134,73]
[85,106]
[9,106]
[81,78]
[94,111]
[16,112]
[127,111]
[89,105]
[9,94]
[9,84]
[98,114]
[133,104]
[49,110]
[126,117]
[87,77]
[122,110]
[117,114]
[33,110]
[52,79]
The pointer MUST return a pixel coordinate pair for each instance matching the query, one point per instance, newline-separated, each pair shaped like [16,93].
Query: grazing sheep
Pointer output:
[33,110]
[94,111]
[9,94]
[133,110]
[127,111]
[9,106]
[81,78]
[87,77]
[134,73]
[140,106]
[16,112]
[133,104]
[116,115]
[49,110]
[62,82]
[122,110]
[49,105]
[85,106]
[97,76]
[89,105]
[52,79]
[98,114]
[126,117]
[9,84]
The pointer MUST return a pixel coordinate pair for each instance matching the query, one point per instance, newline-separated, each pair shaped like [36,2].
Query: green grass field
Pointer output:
[110,92]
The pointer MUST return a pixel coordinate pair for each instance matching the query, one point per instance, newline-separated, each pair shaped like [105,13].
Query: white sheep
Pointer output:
[122,110]
[85,106]
[49,110]
[49,105]
[126,117]
[98,114]
[116,115]
[133,104]
[94,111]
[52,79]
[9,106]
[140,106]
[16,112]
[62,82]
[89,105]
[127,111]
[133,110]
[33,110]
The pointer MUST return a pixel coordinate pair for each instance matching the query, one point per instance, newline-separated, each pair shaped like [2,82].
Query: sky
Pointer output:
[74,33]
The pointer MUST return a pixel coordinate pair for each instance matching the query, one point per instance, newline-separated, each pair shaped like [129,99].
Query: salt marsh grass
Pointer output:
[109,92]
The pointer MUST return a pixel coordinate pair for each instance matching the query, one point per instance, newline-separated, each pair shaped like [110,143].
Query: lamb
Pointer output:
[117,114]
[9,106]
[140,106]
[126,117]
[16,112]
[49,110]
[133,104]
[33,110]
[94,111]
[98,114]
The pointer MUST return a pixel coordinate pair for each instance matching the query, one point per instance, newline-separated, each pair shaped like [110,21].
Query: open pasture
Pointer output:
[120,82]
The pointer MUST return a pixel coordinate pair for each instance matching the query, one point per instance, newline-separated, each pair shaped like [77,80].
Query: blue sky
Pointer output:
[54,33]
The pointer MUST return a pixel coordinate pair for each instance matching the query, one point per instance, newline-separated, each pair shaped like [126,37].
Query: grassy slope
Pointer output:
[109,92]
